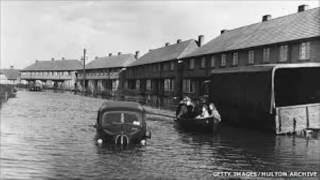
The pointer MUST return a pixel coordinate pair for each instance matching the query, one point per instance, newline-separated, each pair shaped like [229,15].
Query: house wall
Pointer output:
[199,74]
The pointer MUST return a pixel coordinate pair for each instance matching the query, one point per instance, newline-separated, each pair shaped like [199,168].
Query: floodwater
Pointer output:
[49,135]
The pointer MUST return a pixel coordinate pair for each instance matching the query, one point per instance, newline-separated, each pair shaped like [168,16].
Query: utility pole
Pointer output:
[84,68]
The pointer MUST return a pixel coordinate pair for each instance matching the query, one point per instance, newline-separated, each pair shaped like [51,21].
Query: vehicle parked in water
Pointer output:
[122,123]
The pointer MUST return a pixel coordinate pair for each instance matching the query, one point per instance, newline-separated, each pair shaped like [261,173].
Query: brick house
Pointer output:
[155,77]
[294,38]
[102,73]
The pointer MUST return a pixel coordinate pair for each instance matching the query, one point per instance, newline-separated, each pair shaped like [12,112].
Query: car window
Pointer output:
[120,117]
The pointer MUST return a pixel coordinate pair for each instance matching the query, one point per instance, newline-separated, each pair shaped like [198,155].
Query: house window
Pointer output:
[235,59]
[251,57]
[191,64]
[283,53]
[188,86]
[137,84]
[213,61]
[203,62]
[266,54]
[223,59]
[171,66]
[168,85]
[165,66]
[115,84]
[304,51]
[148,84]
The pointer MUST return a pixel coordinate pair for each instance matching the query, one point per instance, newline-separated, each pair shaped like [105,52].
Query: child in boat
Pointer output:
[214,112]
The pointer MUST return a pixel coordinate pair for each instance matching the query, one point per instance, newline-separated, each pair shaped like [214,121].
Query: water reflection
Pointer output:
[50,135]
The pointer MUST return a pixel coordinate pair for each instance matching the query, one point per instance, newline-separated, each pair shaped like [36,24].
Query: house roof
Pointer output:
[11,74]
[296,26]
[170,52]
[111,61]
[54,65]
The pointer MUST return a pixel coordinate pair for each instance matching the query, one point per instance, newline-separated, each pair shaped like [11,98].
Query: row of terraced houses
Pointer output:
[162,76]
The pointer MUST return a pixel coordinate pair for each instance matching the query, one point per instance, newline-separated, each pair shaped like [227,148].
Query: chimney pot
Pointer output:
[119,53]
[137,54]
[178,41]
[302,7]
[223,31]
[11,67]
[110,54]
[266,17]
[167,44]
[200,40]
[62,58]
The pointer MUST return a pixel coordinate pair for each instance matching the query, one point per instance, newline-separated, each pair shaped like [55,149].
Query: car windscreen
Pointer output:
[120,117]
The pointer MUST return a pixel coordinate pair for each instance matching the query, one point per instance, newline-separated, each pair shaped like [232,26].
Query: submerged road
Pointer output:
[50,135]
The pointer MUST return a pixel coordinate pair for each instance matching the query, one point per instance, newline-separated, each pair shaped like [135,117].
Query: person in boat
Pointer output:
[214,112]
[205,113]
[185,108]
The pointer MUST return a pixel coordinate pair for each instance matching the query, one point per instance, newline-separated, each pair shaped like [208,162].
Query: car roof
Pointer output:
[121,105]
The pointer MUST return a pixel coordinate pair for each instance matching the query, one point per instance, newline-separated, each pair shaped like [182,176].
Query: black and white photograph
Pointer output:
[159,89]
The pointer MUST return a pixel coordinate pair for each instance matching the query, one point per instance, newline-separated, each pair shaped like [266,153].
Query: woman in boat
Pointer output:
[214,112]
[204,113]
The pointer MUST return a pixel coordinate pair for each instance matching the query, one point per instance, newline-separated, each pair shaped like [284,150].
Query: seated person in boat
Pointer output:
[205,113]
[214,112]
[185,108]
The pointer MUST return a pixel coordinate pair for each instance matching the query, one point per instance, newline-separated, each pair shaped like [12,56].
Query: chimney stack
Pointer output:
[110,54]
[223,31]
[11,67]
[167,44]
[119,53]
[200,40]
[37,60]
[52,59]
[303,7]
[137,54]
[266,17]
[62,58]
[178,41]
[96,57]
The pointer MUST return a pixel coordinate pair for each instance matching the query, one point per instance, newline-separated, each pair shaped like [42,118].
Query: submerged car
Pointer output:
[122,123]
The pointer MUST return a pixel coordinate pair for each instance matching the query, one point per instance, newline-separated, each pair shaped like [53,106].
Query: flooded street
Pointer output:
[50,135]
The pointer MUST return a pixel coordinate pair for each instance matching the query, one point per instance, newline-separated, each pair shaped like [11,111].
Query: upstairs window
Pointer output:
[203,62]
[171,66]
[191,64]
[283,53]
[213,61]
[223,60]
[251,57]
[304,51]
[266,54]
[235,59]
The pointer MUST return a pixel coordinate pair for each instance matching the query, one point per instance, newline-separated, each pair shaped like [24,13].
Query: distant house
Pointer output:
[53,73]
[9,76]
[156,75]
[294,38]
[102,75]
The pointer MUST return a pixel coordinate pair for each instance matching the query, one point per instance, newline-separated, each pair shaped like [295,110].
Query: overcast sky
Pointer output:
[33,30]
